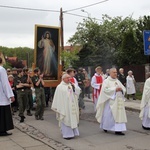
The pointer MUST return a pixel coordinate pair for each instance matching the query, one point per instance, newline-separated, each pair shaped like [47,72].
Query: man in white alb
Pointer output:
[110,106]
[65,104]
[6,97]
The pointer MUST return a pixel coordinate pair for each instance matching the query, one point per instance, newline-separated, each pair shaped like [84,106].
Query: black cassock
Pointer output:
[6,122]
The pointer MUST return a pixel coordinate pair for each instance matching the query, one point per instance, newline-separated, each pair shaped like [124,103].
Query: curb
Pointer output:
[132,109]
[126,107]
[38,135]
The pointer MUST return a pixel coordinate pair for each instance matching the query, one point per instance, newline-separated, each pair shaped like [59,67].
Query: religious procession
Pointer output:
[25,95]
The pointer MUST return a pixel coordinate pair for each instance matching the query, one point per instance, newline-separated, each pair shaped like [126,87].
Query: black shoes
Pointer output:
[36,117]
[29,113]
[41,118]
[22,118]
[119,133]
[69,138]
[145,128]
[5,134]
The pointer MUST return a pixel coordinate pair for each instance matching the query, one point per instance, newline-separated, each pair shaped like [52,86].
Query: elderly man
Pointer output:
[121,76]
[7,96]
[110,107]
[65,104]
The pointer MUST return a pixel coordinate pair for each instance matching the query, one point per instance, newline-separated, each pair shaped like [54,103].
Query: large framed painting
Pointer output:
[47,53]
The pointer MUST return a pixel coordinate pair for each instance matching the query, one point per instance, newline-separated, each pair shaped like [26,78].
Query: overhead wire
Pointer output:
[48,10]
[79,8]
[24,8]
[82,16]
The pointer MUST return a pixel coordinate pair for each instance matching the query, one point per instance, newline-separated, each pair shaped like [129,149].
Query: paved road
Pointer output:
[91,137]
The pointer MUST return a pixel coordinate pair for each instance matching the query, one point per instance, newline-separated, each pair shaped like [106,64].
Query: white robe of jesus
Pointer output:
[110,109]
[145,105]
[65,104]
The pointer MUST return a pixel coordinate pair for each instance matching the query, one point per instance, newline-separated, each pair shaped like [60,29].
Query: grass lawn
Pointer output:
[138,95]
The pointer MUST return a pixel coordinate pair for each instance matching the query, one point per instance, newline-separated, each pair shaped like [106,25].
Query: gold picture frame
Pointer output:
[47,53]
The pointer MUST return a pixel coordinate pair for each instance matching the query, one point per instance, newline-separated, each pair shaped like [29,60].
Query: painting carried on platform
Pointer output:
[47,51]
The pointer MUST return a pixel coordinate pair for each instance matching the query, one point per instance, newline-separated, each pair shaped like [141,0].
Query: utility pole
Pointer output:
[61,29]
[62,33]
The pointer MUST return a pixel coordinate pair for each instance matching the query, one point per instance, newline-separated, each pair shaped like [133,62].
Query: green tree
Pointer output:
[69,57]
[115,31]
[128,53]
[132,48]
[112,42]
[142,24]
[88,35]
[22,53]
[7,65]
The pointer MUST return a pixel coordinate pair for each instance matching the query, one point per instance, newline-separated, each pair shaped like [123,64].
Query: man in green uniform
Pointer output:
[38,83]
[15,103]
[28,91]
[20,85]
[80,78]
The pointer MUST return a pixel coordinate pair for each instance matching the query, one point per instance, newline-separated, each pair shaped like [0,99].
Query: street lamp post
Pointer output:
[86,12]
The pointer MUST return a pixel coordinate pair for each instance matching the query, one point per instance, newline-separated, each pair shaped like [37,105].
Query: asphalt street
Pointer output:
[91,136]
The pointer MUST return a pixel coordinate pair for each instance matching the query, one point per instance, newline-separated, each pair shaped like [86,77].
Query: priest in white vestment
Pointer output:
[145,106]
[6,97]
[110,109]
[65,104]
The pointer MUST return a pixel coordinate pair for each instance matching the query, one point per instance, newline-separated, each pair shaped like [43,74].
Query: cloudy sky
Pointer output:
[17,25]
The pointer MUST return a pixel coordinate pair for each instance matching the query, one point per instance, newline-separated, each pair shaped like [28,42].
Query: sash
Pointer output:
[96,92]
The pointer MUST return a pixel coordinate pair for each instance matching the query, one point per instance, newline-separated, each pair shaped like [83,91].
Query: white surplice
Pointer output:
[65,104]
[5,89]
[110,110]
[6,122]
[145,105]
[96,87]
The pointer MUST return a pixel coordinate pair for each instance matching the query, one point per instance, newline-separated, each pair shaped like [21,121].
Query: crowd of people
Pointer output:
[28,90]
[19,91]
[108,94]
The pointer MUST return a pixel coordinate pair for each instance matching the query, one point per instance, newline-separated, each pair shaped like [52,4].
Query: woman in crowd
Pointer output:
[130,85]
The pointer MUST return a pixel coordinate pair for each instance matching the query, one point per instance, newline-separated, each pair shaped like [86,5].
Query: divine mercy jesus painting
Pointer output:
[47,51]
